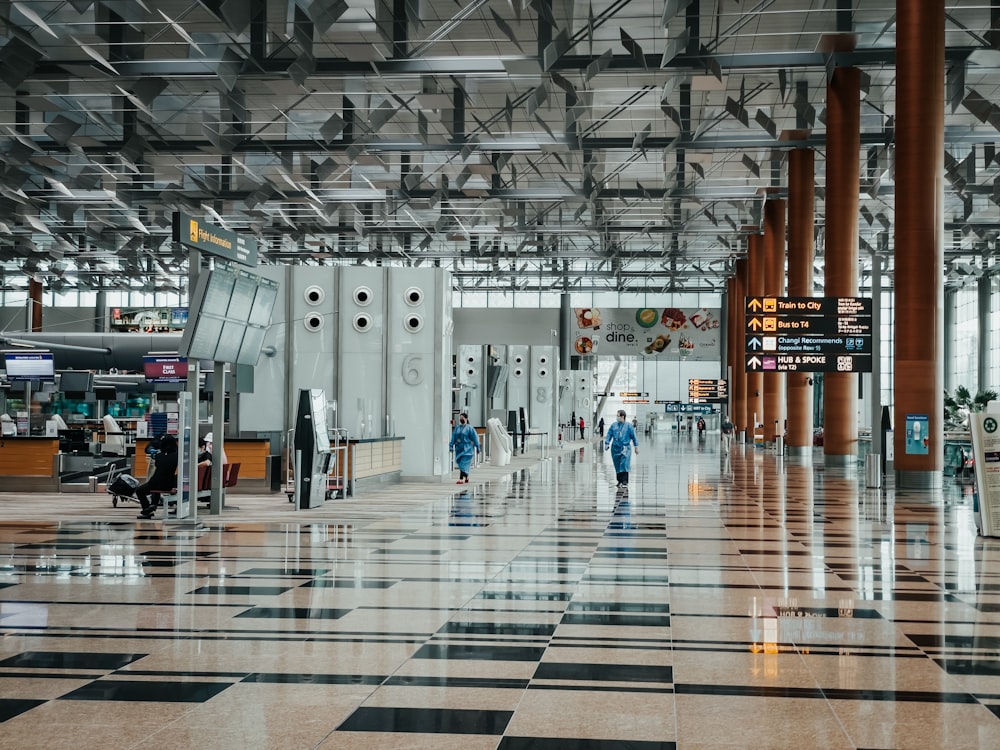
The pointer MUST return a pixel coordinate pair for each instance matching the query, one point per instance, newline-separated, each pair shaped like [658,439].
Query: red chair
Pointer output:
[229,477]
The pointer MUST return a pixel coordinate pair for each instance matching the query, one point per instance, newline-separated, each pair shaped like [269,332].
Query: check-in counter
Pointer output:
[373,461]
[250,453]
[29,464]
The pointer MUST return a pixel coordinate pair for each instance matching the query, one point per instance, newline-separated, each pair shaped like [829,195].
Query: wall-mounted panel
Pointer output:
[542,390]
[412,335]
[361,366]
[471,382]
[518,379]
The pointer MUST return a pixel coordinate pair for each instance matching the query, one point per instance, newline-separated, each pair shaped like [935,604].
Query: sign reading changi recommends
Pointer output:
[670,333]
[808,334]
[195,233]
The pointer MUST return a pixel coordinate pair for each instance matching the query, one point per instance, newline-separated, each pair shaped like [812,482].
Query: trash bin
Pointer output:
[873,470]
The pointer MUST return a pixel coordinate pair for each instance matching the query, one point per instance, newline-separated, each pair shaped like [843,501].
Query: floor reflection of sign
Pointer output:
[916,434]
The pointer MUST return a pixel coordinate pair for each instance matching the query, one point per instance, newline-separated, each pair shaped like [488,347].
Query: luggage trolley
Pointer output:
[121,486]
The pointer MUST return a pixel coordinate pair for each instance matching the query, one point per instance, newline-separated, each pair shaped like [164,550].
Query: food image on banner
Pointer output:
[669,333]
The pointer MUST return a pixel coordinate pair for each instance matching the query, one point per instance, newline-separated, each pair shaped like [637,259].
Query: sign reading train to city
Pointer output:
[663,332]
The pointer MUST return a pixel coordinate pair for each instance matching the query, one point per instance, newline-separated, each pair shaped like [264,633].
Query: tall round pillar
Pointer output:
[801,218]
[738,388]
[34,305]
[774,286]
[919,283]
[755,288]
[843,148]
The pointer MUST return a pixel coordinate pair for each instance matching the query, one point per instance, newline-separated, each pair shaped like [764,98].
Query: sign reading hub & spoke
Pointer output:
[808,334]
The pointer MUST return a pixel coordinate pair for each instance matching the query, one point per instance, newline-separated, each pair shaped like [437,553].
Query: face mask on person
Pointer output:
[621,417]
[461,420]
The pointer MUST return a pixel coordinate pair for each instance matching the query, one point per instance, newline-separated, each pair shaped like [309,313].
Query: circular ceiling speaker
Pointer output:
[363,296]
[470,372]
[413,296]
[363,322]
[518,359]
[314,294]
[543,360]
[470,360]
[543,373]
[313,322]
[413,322]
[518,372]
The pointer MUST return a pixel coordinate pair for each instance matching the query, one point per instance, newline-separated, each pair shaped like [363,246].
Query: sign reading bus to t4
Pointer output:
[808,334]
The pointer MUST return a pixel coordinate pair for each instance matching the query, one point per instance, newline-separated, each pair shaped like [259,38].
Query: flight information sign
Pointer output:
[701,391]
[808,334]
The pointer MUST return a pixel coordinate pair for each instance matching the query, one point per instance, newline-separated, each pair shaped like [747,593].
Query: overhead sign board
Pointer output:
[701,391]
[808,334]
[197,234]
[669,333]
[808,362]
[676,407]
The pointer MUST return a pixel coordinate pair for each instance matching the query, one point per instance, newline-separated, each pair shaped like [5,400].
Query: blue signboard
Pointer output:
[917,426]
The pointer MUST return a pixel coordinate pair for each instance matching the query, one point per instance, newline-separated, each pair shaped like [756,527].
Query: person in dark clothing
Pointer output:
[163,479]
[204,454]
[600,427]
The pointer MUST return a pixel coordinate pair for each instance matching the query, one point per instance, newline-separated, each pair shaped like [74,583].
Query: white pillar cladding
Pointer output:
[542,391]
[497,406]
[518,377]
[472,382]
[565,396]
[264,410]
[418,376]
[361,366]
[311,334]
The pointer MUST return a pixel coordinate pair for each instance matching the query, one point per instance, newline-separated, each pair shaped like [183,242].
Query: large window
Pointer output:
[965,363]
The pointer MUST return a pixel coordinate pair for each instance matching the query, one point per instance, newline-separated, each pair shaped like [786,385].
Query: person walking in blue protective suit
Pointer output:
[465,443]
[621,438]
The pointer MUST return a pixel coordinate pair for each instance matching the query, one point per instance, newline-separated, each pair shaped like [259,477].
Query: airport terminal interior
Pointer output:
[305,236]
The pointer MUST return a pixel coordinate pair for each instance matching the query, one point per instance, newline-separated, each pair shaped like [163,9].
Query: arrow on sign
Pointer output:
[754,323]
[754,363]
[754,304]
[755,343]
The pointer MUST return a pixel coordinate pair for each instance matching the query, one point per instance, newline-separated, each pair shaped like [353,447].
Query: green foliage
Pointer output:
[959,405]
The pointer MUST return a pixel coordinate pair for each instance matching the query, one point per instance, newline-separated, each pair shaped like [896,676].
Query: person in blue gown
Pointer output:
[465,444]
[620,438]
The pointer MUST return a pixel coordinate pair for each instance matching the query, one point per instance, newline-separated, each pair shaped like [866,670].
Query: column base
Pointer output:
[920,480]
[848,459]
[799,451]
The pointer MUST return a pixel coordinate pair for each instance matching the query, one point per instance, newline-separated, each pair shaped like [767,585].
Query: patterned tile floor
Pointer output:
[724,602]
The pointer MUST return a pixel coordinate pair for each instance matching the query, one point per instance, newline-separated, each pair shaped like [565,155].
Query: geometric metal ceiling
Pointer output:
[532,145]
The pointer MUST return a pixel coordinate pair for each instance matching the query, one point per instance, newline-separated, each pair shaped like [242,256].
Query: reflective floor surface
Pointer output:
[724,602]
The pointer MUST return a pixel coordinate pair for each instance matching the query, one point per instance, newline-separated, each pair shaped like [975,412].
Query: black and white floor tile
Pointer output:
[737,601]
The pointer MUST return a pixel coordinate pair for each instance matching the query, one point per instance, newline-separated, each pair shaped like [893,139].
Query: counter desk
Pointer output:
[29,464]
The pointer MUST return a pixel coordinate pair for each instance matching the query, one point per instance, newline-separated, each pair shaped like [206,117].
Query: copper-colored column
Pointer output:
[843,148]
[774,286]
[755,288]
[35,305]
[918,373]
[801,216]
[738,396]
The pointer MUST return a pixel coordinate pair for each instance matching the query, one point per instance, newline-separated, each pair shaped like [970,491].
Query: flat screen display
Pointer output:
[24,366]
[253,340]
[317,403]
[263,304]
[204,337]
[229,342]
[218,292]
[165,369]
[76,381]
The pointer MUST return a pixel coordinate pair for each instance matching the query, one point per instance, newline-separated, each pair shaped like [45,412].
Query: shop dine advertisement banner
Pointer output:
[668,333]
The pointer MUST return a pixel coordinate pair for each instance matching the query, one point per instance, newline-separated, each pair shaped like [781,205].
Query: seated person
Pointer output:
[204,454]
[163,479]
